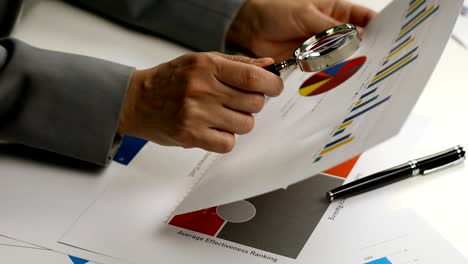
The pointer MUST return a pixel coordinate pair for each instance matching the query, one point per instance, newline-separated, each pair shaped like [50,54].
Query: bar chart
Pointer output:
[378,91]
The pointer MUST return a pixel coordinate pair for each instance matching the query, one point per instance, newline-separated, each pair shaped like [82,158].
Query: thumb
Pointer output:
[261,62]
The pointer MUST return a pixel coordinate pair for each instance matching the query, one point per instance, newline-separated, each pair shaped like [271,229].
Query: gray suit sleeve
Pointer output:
[199,24]
[68,104]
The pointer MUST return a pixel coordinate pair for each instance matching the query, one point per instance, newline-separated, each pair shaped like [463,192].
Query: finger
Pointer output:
[312,21]
[215,140]
[316,23]
[347,12]
[232,121]
[243,101]
[361,31]
[261,62]
[360,15]
[248,77]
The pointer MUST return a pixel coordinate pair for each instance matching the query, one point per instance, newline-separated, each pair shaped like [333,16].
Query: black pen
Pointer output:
[423,166]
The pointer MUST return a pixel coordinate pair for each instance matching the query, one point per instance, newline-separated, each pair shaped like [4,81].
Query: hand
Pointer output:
[275,28]
[198,100]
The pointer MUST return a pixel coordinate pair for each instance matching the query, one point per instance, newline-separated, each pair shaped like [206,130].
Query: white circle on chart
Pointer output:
[237,212]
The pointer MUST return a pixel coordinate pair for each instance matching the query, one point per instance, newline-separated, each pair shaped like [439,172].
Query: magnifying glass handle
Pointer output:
[283,66]
[273,68]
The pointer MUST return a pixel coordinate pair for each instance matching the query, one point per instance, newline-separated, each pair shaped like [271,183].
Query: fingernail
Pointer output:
[263,60]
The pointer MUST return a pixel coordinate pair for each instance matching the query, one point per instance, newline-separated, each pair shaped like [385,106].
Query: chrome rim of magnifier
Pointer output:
[328,48]
[323,50]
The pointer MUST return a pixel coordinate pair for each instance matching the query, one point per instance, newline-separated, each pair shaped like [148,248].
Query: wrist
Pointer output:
[128,106]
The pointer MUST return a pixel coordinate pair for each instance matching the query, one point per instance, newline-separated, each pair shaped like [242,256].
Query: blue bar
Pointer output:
[383,260]
[339,132]
[368,93]
[396,70]
[365,103]
[367,109]
[415,26]
[336,141]
[317,159]
[396,62]
[399,45]
[129,149]
[414,10]
[414,18]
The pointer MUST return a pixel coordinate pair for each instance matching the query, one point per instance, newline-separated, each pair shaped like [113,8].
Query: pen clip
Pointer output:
[429,171]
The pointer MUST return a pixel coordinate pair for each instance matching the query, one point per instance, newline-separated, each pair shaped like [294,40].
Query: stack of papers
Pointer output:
[262,202]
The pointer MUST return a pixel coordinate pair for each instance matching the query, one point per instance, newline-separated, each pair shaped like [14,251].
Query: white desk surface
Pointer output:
[441,199]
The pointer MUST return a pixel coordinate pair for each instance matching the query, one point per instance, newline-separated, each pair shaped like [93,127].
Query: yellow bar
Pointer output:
[325,151]
[345,124]
[383,74]
[414,5]
[408,27]
[358,103]
[400,48]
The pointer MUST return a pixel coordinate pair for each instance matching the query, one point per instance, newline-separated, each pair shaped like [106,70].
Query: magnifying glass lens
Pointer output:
[330,42]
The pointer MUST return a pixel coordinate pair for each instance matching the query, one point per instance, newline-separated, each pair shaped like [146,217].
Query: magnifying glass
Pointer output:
[322,51]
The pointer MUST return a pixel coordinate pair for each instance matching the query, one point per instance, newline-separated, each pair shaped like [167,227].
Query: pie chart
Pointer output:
[328,79]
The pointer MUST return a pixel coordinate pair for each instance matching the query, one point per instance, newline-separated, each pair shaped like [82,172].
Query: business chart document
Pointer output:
[320,120]
[326,117]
